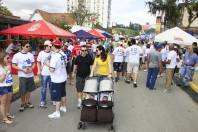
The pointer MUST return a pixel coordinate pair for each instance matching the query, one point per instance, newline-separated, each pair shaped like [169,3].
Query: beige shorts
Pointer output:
[132,67]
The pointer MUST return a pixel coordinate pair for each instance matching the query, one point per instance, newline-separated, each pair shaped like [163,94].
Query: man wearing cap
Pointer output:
[154,66]
[58,74]
[43,70]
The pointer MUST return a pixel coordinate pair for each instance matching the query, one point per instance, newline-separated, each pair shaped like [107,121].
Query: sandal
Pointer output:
[7,121]
[10,116]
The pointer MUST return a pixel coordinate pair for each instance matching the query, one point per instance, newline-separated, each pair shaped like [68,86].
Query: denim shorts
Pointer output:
[10,89]
[58,91]
[3,91]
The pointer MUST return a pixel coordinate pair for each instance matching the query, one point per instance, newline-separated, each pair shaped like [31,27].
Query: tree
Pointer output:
[4,10]
[167,9]
[81,15]
[192,9]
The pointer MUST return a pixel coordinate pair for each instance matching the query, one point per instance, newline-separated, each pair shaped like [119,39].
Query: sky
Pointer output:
[123,11]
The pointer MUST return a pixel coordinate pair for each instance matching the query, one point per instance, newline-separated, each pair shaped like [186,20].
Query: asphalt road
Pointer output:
[136,110]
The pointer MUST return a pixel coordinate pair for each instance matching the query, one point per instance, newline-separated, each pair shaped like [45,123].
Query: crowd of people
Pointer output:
[59,61]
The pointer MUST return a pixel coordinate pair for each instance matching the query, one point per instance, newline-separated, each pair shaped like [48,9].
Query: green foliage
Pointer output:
[81,15]
[167,8]
[125,31]
[192,9]
[4,10]
[64,25]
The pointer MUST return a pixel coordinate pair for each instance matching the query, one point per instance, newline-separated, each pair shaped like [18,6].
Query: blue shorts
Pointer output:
[58,91]
[3,91]
[10,89]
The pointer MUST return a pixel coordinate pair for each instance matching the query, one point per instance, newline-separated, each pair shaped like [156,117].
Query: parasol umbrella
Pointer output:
[97,34]
[81,34]
[39,28]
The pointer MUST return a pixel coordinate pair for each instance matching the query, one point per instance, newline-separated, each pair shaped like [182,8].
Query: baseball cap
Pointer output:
[48,43]
[57,43]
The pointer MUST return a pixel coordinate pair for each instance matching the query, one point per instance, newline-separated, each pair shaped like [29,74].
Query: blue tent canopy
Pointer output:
[108,35]
[81,34]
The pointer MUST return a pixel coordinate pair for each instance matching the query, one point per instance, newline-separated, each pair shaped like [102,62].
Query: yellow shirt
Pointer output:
[102,67]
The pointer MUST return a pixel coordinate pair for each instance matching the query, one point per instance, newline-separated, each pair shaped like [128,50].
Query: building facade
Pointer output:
[100,7]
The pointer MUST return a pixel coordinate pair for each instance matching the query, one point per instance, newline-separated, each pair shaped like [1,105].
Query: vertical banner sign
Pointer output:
[158,25]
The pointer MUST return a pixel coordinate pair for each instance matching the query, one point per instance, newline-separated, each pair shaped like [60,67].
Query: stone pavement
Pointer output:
[136,110]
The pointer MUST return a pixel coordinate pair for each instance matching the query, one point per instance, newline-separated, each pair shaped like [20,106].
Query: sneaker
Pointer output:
[127,81]
[63,109]
[135,85]
[166,91]
[53,103]
[22,108]
[42,106]
[29,105]
[54,115]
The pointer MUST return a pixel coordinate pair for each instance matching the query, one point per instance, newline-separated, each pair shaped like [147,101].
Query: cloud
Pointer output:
[130,10]
[24,8]
[123,11]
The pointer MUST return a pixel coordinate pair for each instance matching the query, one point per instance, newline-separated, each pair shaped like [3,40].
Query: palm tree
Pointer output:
[168,10]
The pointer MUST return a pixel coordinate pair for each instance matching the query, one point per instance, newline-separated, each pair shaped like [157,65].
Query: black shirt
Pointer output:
[83,65]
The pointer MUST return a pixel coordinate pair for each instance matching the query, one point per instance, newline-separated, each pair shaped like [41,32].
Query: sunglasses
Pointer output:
[83,50]
[27,46]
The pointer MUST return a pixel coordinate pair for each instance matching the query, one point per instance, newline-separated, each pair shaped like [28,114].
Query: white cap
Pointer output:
[48,43]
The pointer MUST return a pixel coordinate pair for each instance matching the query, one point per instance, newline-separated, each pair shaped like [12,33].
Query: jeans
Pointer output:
[186,72]
[45,80]
[151,77]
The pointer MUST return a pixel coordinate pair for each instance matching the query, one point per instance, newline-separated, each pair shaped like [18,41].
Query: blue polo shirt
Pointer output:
[190,59]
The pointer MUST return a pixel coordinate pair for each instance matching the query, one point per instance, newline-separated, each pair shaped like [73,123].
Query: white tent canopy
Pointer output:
[176,35]
[76,28]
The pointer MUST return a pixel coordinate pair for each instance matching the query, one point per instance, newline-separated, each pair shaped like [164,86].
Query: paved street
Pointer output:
[136,110]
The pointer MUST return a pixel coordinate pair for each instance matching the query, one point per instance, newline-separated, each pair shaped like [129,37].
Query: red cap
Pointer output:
[57,43]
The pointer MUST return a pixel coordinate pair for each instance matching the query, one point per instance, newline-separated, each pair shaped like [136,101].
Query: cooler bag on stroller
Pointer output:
[105,112]
[89,111]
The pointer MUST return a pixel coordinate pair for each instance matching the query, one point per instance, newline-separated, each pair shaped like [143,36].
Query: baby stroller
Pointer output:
[97,107]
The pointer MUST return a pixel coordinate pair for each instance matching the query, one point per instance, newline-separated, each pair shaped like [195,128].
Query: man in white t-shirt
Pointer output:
[23,61]
[43,70]
[171,63]
[133,54]
[58,74]
[118,58]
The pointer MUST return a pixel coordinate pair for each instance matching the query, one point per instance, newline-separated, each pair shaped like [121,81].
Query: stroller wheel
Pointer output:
[83,126]
[79,125]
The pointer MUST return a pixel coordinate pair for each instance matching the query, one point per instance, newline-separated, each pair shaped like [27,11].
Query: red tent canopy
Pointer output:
[39,28]
[97,34]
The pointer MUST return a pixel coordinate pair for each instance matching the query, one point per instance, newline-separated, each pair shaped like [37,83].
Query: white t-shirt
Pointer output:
[23,61]
[82,43]
[57,62]
[70,47]
[172,55]
[43,57]
[118,54]
[133,53]
[8,79]
[164,53]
